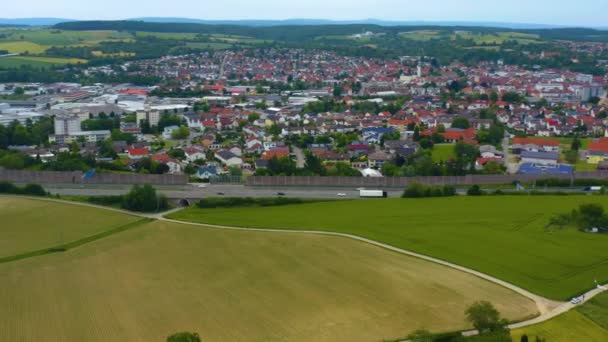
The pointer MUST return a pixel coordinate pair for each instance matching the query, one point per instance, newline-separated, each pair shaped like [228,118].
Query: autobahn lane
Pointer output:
[219,190]
[193,191]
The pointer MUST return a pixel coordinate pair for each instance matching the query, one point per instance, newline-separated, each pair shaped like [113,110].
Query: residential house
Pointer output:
[137,153]
[228,158]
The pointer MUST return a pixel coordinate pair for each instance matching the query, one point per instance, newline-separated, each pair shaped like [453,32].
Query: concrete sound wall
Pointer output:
[401,182]
[75,177]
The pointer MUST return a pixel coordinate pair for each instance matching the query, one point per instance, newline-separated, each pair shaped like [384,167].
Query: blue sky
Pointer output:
[556,12]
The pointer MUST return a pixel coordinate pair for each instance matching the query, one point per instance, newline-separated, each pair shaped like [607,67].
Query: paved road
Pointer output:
[212,190]
[547,308]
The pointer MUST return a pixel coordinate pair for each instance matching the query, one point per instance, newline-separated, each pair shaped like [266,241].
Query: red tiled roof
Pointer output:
[601,145]
[138,151]
[536,141]
[278,153]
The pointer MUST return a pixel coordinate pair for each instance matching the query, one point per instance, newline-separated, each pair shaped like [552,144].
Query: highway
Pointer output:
[217,190]
[192,191]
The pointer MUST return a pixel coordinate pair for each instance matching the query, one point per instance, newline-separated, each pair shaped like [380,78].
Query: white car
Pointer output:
[203,185]
[341,194]
[576,300]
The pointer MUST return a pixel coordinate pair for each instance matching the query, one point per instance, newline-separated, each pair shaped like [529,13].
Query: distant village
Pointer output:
[235,113]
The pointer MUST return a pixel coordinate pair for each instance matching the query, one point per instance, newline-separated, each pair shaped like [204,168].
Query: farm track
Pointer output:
[547,308]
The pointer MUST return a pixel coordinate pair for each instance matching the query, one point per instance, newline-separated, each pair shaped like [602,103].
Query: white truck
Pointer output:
[372,193]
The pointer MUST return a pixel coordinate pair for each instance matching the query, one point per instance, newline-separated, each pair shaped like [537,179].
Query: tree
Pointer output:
[576,144]
[572,156]
[235,171]
[461,122]
[337,92]
[177,153]
[474,190]
[184,337]
[484,317]
[190,169]
[144,199]
[314,165]
[180,133]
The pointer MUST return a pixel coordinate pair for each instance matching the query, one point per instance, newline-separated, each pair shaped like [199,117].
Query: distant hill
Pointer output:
[311,22]
[300,33]
[295,22]
[33,21]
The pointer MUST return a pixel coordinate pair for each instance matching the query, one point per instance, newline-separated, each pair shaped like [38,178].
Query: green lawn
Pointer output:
[502,236]
[565,143]
[442,152]
[587,323]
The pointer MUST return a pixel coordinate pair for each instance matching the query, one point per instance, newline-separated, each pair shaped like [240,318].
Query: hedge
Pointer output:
[28,189]
[229,202]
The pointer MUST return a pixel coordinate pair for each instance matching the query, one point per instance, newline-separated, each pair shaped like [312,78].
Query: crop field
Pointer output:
[17,61]
[147,282]
[504,236]
[422,35]
[29,225]
[167,35]
[587,323]
[497,38]
[48,38]
[442,152]
[22,47]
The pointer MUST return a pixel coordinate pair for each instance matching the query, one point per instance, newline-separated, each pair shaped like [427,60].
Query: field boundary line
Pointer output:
[76,243]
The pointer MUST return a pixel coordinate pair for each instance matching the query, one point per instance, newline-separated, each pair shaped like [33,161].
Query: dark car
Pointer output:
[221,194]
[280,194]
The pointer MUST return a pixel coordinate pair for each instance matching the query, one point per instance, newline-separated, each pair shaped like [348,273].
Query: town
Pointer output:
[229,114]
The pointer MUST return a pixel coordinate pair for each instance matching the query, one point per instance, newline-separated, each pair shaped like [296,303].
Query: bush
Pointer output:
[475,190]
[417,190]
[184,337]
[8,188]
[106,200]
[144,199]
[29,189]
[34,190]
[230,202]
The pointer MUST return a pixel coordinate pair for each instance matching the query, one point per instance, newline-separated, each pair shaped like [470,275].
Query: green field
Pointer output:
[159,278]
[442,152]
[48,37]
[422,35]
[587,323]
[22,47]
[17,61]
[503,236]
[167,35]
[29,225]
[498,38]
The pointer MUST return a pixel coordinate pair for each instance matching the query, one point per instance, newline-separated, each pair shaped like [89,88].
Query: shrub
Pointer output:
[475,190]
[417,190]
[29,189]
[184,337]
[230,202]
[34,190]
[8,188]
[106,200]
[144,199]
